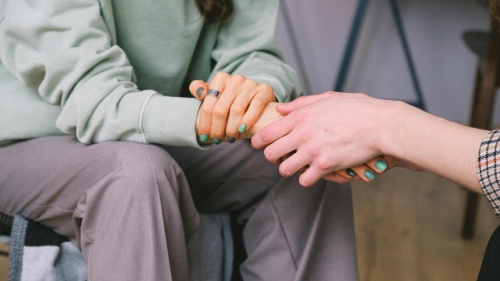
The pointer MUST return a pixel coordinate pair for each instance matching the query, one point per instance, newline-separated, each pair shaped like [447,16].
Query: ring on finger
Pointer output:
[213,93]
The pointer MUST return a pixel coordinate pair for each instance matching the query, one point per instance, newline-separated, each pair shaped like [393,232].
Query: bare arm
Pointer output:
[435,144]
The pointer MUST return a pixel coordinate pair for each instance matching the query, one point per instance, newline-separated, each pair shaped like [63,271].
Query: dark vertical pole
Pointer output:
[406,47]
[351,45]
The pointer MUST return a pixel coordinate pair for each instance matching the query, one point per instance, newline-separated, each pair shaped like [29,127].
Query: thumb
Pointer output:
[286,108]
[198,88]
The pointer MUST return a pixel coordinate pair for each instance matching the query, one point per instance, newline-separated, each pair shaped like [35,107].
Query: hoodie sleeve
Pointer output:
[64,50]
[246,45]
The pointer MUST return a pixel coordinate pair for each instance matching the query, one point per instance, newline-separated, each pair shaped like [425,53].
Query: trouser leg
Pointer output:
[126,205]
[292,233]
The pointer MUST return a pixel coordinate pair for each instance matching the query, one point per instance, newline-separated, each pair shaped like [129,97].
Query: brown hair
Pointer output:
[215,10]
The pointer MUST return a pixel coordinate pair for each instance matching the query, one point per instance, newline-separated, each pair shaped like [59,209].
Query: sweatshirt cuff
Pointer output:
[489,169]
[170,121]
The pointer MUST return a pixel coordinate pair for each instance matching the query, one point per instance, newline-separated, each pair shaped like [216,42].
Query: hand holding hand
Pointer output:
[320,134]
[233,109]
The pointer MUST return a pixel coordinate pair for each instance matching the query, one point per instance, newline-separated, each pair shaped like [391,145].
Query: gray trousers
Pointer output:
[131,207]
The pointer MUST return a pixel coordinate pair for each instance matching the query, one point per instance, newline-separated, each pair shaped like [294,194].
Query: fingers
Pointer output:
[238,107]
[294,162]
[220,115]
[364,172]
[246,93]
[310,176]
[336,177]
[198,89]
[286,108]
[263,95]
[378,165]
[270,134]
[207,109]
[368,171]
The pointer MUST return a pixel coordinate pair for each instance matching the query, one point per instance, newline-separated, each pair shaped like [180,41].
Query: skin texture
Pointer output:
[333,131]
[244,101]
[241,101]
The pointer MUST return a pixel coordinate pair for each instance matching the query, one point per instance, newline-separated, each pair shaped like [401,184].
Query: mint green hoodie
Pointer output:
[119,70]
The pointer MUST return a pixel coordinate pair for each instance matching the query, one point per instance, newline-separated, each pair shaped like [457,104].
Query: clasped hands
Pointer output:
[292,135]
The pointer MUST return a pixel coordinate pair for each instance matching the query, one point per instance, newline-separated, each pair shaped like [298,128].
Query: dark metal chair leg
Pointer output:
[351,45]
[470,215]
[409,59]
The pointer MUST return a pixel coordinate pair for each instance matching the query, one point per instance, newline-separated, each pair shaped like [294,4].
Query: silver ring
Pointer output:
[212,92]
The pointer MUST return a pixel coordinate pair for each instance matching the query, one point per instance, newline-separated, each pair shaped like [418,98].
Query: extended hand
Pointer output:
[320,136]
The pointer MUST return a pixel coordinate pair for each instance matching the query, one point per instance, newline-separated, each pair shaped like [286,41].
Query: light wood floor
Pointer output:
[408,228]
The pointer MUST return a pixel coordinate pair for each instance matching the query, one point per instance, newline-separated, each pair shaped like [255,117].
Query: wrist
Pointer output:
[396,126]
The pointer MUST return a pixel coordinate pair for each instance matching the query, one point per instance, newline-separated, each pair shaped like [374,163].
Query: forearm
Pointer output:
[437,145]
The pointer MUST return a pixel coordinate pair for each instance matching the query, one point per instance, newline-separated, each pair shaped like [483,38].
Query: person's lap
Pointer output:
[299,227]
[55,172]
[306,233]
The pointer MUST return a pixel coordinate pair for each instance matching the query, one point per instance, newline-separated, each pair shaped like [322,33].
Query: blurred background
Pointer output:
[434,28]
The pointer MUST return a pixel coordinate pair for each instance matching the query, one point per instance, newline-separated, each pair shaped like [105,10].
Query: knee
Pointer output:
[140,170]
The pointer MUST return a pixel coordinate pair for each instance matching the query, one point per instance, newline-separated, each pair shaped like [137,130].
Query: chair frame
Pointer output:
[485,87]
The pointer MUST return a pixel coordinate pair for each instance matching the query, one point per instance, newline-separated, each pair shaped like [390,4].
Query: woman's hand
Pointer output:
[366,172]
[323,135]
[326,134]
[236,108]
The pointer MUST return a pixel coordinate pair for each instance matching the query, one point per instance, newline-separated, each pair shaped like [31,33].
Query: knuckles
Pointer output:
[266,88]
[323,164]
[237,110]
[221,76]
[219,112]
[207,110]
[266,135]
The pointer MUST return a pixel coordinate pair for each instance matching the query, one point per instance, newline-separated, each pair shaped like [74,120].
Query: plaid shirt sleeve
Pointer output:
[489,169]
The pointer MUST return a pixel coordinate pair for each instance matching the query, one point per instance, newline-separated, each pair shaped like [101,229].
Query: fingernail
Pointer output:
[242,128]
[230,139]
[203,138]
[216,141]
[369,175]
[350,172]
[381,165]
[199,91]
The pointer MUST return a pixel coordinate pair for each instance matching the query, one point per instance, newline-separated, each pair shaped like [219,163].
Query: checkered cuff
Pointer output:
[489,169]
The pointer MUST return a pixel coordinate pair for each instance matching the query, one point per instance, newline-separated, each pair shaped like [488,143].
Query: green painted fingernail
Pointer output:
[369,175]
[216,141]
[350,172]
[199,91]
[242,128]
[203,138]
[381,165]
[230,139]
